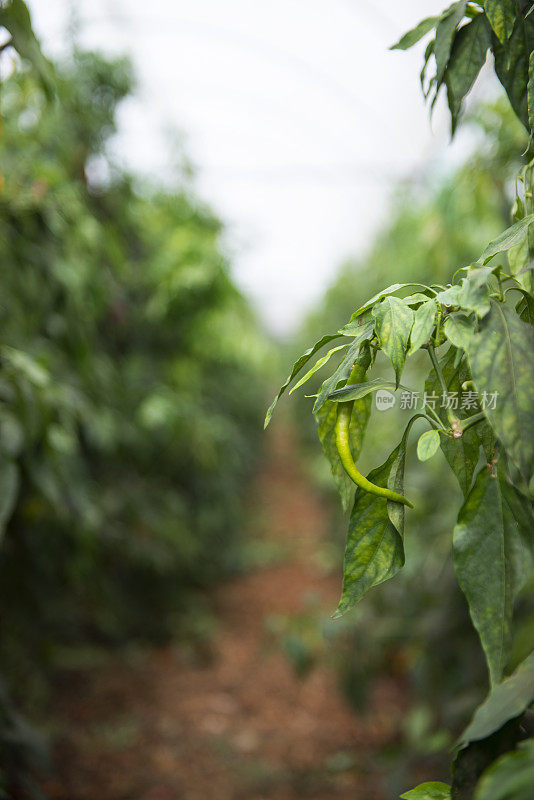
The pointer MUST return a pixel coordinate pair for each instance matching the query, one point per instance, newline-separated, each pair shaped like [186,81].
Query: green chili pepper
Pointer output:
[344,413]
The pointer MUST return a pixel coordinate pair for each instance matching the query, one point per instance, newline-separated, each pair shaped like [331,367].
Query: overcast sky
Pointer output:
[297,117]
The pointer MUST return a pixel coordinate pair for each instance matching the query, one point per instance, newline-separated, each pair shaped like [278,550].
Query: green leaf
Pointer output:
[15,17]
[445,31]
[449,296]
[474,291]
[344,369]
[317,366]
[512,65]
[394,320]
[492,557]
[458,330]
[326,419]
[412,37]
[433,790]
[423,325]
[501,14]
[501,361]
[374,550]
[428,445]
[395,287]
[9,484]
[507,701]
[530,92]
[462,454]
[507,239]
[297,366]
[467,58]
[358,390]
[510,777]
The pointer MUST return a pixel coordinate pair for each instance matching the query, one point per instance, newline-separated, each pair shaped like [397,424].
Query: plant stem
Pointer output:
[444,388]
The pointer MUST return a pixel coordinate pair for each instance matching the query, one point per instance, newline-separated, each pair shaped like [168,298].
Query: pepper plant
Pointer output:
[479,336]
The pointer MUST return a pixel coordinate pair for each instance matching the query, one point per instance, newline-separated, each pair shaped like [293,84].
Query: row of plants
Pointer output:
[132,377]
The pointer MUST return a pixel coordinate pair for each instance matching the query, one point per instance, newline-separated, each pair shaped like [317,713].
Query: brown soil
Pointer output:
[237,723]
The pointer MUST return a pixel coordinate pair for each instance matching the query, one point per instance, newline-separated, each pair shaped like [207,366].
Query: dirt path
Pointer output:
[240,724]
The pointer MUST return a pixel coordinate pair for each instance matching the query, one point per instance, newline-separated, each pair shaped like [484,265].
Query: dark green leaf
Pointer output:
[297,366]
[511,777]
[374,550]
[530,92]
[394,320]
[507,239]
[433,790]
[467,58]
[512,65]
[501,359]
[326,420]
[428,445]
[506,701]
[423,325]
[492,558]
[9,483]
[445,31]
[412,37]
[501,14]
[15,17]
[462,454]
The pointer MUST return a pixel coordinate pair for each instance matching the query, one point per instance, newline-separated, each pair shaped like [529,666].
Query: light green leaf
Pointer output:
[423,325]
[510,777]
[501,14]
[467,58]
[344,369]
[501,359]
[358,390]
[433,790]
[458,330]
[492,557]
[508,700]
[428,445]
[445,31]
[326,419]
[413,36]
[474,291]
[394,320]
[395,287]
[506,239]
[317,366]
[297,366]
[449,296]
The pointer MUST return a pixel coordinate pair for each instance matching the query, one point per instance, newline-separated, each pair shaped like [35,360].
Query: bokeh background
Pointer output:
[213,186]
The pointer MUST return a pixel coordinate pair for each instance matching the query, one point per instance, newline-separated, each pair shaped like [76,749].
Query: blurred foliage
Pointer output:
[131,386]
[416,629]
